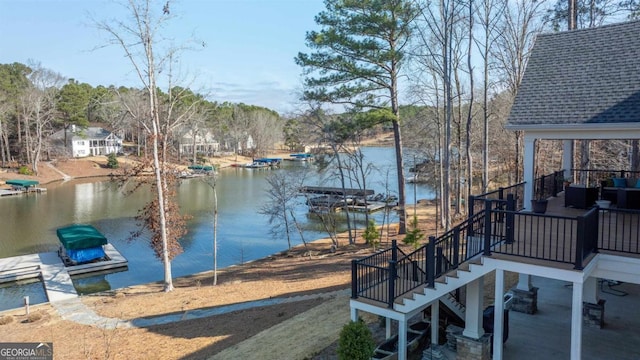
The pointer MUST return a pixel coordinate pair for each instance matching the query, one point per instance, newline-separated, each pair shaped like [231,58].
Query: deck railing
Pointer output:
[619,230]
[477,204]
[594,177]
[499,228]
[547,237]
[549,185]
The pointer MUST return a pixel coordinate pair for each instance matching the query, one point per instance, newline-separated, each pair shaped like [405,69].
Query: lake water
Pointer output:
[29,222]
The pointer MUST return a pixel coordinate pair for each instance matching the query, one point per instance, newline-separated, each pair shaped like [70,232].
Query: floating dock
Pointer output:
[335,191]
[21,186]
[55,276]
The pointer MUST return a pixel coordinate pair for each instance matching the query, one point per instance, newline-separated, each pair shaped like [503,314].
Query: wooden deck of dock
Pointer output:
[55,276]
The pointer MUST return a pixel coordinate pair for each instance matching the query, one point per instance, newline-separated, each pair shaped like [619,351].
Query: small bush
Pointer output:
[112,161]
[415,235]
[24,170]
[371,234]
[356,342]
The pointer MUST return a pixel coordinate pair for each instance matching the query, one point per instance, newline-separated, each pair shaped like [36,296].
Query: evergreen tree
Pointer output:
[359,53]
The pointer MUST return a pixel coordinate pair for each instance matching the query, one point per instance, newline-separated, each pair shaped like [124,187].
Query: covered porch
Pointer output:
[578,246]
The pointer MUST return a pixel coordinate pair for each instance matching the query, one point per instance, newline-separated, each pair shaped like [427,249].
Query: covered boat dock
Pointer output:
[84,250]
[19,186]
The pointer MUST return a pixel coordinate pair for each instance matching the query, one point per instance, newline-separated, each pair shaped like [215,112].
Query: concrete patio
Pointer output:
[546,334]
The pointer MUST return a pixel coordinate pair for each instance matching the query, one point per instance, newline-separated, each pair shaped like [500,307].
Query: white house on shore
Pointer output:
[90,141]
[200,142]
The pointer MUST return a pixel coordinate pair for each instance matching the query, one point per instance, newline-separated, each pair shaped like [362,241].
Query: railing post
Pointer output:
[430,261]
[354,279]
[456,247]
[414,268]
[487,228]
[580,235]
[510,223]
[394,250]
[393,273]
[439,262]
[472,203]
[501,193]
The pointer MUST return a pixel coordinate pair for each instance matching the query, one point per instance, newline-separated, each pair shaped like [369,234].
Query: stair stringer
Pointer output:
[421,298]
[454,305]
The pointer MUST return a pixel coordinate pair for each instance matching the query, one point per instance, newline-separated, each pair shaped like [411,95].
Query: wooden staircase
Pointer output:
[444,285]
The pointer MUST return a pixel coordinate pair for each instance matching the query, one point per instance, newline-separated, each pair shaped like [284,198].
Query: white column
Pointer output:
[387,327]
[591,291]
[354,314]
[498,319]
[524,282]
[576,322]
[528,174]
[473,315]
[435,321]
[402,339]
[567,157]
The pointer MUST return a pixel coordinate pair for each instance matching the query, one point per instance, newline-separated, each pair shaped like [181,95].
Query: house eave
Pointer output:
[580,131]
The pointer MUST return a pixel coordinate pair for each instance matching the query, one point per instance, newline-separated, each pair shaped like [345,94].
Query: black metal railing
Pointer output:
[594,177]
[549,185]
[619,230]
[477,202]
[499,228]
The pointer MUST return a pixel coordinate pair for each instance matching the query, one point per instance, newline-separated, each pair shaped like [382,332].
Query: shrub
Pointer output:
[371,235]
[112,161]
[414,236]
[24,170]
[356,342]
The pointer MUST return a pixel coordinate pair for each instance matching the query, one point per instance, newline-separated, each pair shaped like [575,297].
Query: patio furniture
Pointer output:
[609,188]
[580,197]
[628,198]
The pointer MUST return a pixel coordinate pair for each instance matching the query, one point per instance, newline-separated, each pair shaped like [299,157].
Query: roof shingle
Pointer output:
[582,76]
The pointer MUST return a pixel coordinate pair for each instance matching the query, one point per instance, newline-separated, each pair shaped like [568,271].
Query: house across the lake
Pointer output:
[90,141]
[197,142]
[578,85]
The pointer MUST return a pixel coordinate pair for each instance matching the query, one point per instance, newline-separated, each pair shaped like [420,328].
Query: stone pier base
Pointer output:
[525,301]
[593,314]
[473,349]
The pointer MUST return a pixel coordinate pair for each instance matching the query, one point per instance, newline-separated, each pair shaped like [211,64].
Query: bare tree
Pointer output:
[39,110]
[488,14]
[282,192]
[211,181]
[521,22]
[437,45]
[140,38]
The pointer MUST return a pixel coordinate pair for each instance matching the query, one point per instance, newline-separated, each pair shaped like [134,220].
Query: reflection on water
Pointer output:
[29,222]
[12,295]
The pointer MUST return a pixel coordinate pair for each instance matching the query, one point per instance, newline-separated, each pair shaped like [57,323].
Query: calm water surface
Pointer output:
[29,222]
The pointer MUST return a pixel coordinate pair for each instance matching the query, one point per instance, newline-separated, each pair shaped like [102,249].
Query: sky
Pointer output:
[248,52]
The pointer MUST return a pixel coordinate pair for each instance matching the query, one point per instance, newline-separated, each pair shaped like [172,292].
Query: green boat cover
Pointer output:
[201,167]
[76,237]
[23,183]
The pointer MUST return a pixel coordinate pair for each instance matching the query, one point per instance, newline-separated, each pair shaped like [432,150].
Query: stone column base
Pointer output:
[593,314]
[525,301]
[473,349]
